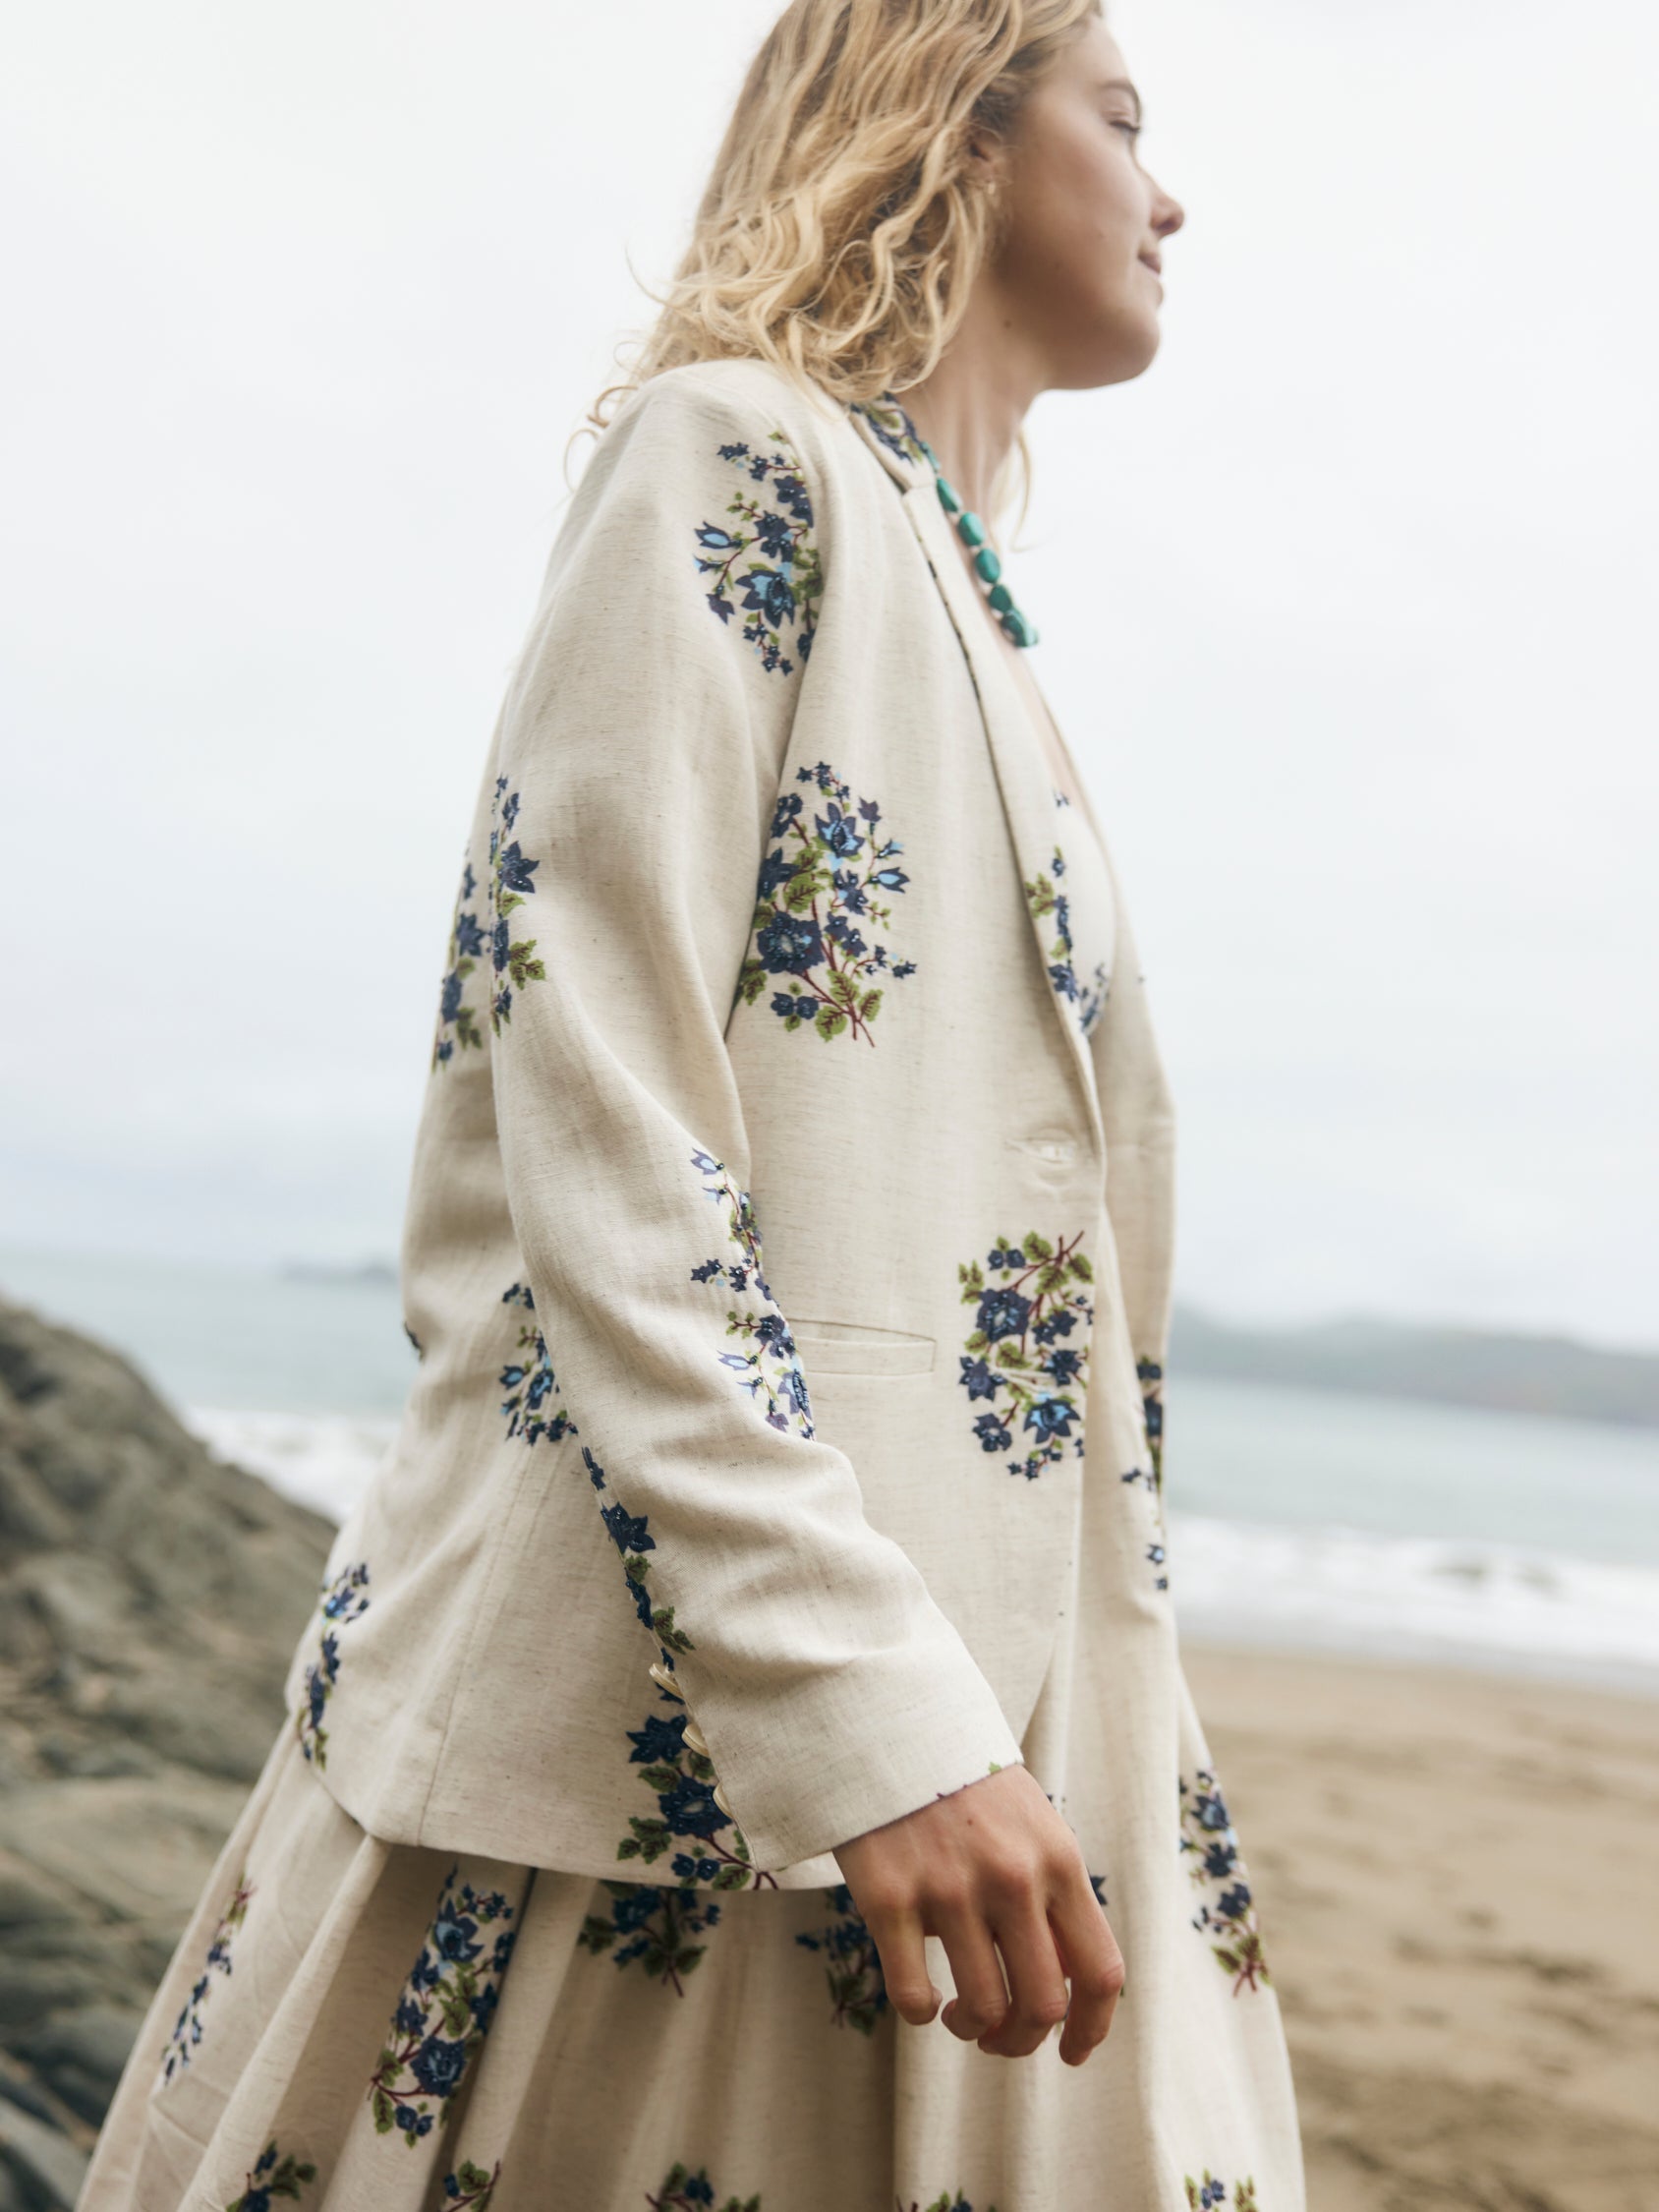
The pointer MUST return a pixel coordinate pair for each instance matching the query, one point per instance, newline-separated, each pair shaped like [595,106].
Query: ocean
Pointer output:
[1299,1519]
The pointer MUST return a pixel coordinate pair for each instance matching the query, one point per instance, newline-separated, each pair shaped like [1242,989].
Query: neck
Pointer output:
[971,406]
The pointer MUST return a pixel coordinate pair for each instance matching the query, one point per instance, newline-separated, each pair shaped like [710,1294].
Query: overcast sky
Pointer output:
[1347,604]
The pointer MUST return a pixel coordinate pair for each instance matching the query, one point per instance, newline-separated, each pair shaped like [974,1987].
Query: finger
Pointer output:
[1093,1963]
[900,1949]
[1036,1981]
[981,2002]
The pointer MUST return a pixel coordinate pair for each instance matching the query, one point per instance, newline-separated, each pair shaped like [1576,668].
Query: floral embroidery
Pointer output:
[187,2028]
[891,424]
[1152,1409]
[1043,898]
[466,945]
[1091,1001]
[342,1601]
[1208,1838]
[945,2201]
[444,2012]
[836,861]
[470,2188]
[782,586]
[507,885]
[858,1990]
[770,1372]
[682,2190]
[529,1380]
[1201,2196]
[683,1780]
[632,1537]
[510,871]
[1022,1321]
[273,2176]
[1091,998]
[656,1923]
[1151,1376]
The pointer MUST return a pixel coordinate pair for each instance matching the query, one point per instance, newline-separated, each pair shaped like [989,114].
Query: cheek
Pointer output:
[1077,216]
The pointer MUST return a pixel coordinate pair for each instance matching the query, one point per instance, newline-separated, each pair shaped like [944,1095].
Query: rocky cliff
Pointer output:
[149,1599]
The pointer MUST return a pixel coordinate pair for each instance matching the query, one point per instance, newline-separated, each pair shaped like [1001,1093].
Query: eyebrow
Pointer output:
[1123,84]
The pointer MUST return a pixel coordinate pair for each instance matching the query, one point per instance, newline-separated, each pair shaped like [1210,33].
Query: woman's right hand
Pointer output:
[990,1868]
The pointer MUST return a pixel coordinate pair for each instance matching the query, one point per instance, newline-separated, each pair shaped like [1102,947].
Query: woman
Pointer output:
[747,1644]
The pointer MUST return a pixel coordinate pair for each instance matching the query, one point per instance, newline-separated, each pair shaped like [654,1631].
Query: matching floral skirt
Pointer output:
[353,2025]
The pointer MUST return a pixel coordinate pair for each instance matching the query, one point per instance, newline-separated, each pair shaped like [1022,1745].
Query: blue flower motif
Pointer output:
[789,943]
[838,833]
[628,1531]
[992,1434]
[659,1738]
[439,2064]
[688,1808]
[453,1936]
[979,1377]
[1048,1417]
[1002,1312]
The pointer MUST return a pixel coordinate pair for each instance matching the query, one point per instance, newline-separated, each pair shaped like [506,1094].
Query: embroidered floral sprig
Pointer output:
[1152,1476]
[1202,2195]
[530,1381]
[853,1966]
[653,1926]
[445,2011]
[510,871]
[810,902]
[342,1601]
[686,1809]
[781,581]
[1209,1843]
[470,2188]
[632,1537]
[1044,899]
[466,948]
[274,2174]
[771,1370]
[892,426]
[507,884]
[186,2032]
[682,2190]
[1025,1322]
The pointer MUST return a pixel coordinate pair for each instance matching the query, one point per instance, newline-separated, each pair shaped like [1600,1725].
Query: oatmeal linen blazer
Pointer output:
[773,1222]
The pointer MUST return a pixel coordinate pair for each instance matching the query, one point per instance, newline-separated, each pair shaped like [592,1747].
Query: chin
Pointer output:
[1121,349]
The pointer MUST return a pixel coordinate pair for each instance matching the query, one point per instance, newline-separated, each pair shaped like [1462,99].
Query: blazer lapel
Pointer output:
[1022,774]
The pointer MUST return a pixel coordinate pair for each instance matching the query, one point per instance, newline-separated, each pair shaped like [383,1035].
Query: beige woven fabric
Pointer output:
[788,1254]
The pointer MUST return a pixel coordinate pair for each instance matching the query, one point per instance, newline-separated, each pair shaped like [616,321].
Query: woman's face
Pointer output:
[1083,221]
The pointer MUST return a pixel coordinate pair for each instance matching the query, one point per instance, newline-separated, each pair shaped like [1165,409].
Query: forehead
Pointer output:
[1093,58]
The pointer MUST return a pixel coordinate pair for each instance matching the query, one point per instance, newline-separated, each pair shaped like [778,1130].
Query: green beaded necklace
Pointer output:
[986,567]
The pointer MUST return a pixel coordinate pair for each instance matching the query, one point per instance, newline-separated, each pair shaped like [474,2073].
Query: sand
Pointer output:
[1457,1878]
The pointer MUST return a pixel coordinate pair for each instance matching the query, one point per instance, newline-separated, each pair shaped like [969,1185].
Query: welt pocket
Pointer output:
[851,1348]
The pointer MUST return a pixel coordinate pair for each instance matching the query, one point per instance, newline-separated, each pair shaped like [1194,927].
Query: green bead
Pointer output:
[1002,598]
[988,565]
[969,528]
[1018,629]
[947,498]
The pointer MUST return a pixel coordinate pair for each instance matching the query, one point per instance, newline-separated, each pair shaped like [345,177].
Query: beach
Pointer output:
[1453,1880]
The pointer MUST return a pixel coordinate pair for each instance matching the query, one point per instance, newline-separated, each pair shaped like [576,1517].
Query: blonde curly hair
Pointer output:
[845,217]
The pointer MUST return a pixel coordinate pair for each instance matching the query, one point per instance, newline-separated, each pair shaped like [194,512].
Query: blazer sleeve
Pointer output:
[638,761]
